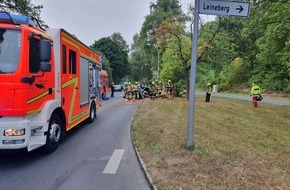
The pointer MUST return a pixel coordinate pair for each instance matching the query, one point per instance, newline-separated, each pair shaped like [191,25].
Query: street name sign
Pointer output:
[224,8]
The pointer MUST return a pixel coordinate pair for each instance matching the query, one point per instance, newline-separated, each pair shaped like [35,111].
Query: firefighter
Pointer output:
[129,93]
[112,90]
[152,90]
[136,90]
[256,93]
[170,89]
[159,89]
[208,92]
[125,90]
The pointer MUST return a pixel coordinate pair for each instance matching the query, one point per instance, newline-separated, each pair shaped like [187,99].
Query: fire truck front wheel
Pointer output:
[53,134]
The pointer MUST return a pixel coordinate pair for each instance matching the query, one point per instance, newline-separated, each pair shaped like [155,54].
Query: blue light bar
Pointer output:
[15,19]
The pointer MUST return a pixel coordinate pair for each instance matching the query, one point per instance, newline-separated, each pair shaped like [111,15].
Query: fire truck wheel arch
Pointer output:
[46,113]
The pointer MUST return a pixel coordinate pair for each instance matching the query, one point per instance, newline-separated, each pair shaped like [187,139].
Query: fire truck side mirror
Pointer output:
[45,55]
[45,67]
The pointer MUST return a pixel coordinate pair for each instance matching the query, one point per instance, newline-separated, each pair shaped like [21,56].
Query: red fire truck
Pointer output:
[49,83]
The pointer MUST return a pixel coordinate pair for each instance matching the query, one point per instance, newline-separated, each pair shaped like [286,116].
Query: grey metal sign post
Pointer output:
[192,77]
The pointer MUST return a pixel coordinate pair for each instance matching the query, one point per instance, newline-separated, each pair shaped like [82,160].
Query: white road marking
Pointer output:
[114,162]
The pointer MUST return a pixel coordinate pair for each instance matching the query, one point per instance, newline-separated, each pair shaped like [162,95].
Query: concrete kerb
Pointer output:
[143,165]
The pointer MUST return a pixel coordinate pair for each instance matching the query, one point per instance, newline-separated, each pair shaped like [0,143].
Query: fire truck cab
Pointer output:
[49,83]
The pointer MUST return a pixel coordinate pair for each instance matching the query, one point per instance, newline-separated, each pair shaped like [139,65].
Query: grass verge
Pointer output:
[236,146]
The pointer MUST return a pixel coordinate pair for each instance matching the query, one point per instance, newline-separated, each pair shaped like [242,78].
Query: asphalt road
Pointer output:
[268,100]
[97,156]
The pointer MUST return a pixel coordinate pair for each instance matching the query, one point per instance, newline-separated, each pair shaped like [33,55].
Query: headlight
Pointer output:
[14,132]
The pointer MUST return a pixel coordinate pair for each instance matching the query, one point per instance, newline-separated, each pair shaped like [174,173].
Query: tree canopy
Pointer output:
[148,47]
[115,50]
[247,50]
[232,52]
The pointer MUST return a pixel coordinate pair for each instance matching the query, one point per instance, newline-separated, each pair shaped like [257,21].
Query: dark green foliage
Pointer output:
[115,50]
[139,63]
[247,50]
[160,11]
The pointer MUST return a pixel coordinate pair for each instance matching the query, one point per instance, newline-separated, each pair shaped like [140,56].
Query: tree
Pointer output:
[172,32]
[117,37]
[247,50]
[173,66]
[232,52]
[216,54]
[273,57]
[140,69]
[160,11]
[116,54]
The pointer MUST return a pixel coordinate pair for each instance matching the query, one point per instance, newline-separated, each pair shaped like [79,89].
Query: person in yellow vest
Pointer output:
[126,90]
[136,90]
[256,93]
[170,90]
[152,90]
[159,87]
[208,92]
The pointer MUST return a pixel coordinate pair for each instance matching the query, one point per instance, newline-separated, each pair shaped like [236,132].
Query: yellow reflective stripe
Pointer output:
[76,124]
[45,93]
[75,43]
[33,111]
[78,116]
[41,33]
[73,82]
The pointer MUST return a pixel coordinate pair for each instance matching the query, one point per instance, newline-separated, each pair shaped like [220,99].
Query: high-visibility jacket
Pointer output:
[136,87]
[208,89]
[152,88]
[255,90]
[129,87]
[126,87]
[170,85]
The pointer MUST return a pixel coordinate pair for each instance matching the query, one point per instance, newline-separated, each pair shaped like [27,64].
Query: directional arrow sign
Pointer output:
[224,8]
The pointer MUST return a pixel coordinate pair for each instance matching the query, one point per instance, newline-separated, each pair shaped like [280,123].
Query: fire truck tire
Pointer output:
[53,134]
[92,115]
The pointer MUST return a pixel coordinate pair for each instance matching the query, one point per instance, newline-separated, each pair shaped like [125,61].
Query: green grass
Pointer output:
[236,146]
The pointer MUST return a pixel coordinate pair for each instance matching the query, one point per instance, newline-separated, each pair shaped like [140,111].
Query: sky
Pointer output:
[91,20]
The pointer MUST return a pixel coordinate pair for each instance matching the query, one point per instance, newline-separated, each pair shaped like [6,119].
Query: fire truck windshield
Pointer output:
[10,43]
